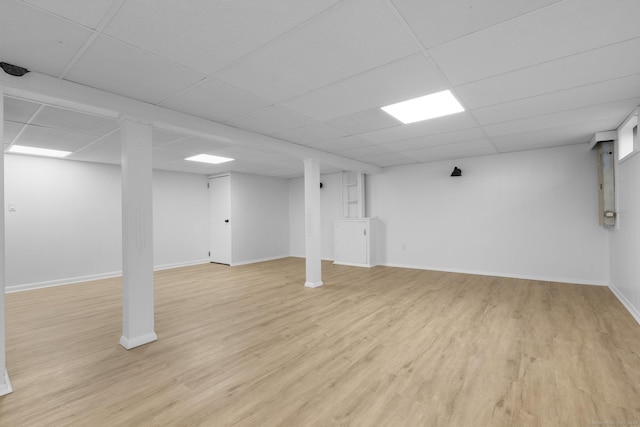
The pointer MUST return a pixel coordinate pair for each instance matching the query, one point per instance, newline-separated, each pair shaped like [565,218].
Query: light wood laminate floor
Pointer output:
[250,346]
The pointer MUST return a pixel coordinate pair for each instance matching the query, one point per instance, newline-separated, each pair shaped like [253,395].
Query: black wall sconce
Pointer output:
[13,70]
[456,171]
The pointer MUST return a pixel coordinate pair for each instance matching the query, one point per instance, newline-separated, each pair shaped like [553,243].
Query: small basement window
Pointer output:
[628,136]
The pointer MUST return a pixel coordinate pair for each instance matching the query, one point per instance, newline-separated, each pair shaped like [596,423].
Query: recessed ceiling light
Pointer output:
[424,107]
[22,149]
[206,158]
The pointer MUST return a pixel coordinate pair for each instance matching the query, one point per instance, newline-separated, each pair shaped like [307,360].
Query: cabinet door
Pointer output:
[351,238]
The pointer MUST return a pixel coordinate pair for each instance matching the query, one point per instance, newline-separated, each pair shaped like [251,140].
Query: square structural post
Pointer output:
[5,384]
[313,238]
[137,234]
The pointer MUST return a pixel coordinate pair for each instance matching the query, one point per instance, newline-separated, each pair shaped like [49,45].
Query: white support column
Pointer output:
[313,241]
[137,235]
[5,384]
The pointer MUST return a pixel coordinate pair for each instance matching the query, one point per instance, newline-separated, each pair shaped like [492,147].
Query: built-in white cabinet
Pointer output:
[355,242]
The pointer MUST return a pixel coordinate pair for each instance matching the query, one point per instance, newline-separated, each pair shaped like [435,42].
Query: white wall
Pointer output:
[528,214]
[259,218]
[67,223]
[625,241]
[331,209]
[180,219]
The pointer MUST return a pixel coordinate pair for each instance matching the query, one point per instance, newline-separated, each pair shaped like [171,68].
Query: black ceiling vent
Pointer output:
[456,171]
[13,70]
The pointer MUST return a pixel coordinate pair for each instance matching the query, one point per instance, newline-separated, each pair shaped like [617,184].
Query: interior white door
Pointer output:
[220,226]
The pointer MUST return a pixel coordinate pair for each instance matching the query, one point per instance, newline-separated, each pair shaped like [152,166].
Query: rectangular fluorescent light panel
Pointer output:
[206,158]
[22,149]
[425,107]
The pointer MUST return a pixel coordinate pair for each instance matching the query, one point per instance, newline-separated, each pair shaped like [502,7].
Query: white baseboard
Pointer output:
[6,387]
[180,264]
[627,304]
[90,277]
[481,273]
[61,282]
[134,342]
[253,261]
[302,256]
[313,284]
[353,264]
[511,276]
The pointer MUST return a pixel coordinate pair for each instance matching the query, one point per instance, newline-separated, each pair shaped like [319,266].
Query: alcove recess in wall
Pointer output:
[352,195]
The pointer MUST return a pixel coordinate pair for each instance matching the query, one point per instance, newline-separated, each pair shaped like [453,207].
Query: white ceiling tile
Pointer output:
[11,130]
[597,65]
[55,139]
[612,113]
[309,134]
[87,13]
[215,100]
[331,69]
[435,24]
[460,150]
[111,145]
[161,136]
[248,154]
[370,150]
[471,134]
[161,156]
[74,121]
[192,145]
[36,40]
[181,165]
[583,96]
[281,164]
[118,68]
[18,110]
[386,160]
[418,129]
[342,143]
[173,157]
[271,120]
[205,35]
[104,150]
[236,152]
[563,29]
[364,121]
[400,80]
[353,37]
[580,133]
[235,166]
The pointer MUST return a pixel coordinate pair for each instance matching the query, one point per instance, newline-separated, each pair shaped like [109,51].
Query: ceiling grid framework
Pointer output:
[442,75]
[530,74]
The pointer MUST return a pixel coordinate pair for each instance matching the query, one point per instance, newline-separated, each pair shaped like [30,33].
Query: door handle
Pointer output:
[226,220]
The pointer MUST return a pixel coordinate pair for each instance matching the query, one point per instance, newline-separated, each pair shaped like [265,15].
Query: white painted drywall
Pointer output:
[67,223]
[259,218]
[330,207]
[180,219]
[528,214]
[625,241]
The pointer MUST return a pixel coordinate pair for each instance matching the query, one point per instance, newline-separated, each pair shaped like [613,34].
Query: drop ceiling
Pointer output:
[530,73]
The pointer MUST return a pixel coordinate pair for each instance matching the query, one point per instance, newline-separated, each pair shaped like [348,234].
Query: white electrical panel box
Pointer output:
[606,184]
